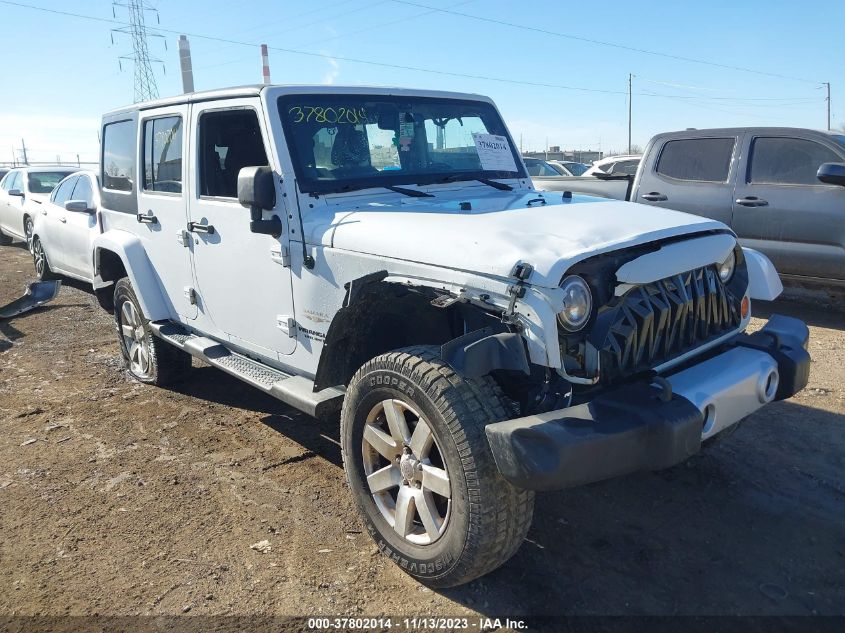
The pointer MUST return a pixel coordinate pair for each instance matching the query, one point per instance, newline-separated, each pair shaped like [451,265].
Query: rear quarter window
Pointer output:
[697,159]
[119,144]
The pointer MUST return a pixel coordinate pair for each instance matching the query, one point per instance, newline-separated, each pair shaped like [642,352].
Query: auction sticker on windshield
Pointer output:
[495,152]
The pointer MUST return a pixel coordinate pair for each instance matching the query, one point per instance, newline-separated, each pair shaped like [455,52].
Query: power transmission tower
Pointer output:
[145,81]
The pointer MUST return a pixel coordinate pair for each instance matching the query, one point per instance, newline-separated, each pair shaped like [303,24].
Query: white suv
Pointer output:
[383,253]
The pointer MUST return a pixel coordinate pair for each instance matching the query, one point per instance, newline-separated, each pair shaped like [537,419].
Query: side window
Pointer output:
[15,181]
[119,155]
[83,191]
[628,167]
[699,159]
[62,193]
[163,154]
[788,161]
[229,141]
[8,180]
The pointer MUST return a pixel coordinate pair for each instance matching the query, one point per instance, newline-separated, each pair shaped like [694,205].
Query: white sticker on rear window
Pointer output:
[495,152]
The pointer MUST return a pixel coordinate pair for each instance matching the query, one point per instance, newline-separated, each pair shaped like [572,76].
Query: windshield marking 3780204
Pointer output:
[349,142]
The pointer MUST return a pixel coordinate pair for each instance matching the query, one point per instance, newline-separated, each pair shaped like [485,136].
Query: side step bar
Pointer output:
[297,391]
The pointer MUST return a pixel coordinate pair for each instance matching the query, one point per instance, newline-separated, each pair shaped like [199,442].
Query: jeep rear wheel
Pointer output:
[148,359]
[418,463]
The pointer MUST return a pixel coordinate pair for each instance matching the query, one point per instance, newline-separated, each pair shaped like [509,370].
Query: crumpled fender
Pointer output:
[139,269]
[763,280]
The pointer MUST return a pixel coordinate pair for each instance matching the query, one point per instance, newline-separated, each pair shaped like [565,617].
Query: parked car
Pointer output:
[22,191]
[615,165]
[539,167]
[779,189]
[64,228]
[569,167]
[383,253]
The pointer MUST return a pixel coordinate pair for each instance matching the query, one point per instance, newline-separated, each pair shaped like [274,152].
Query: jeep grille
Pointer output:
[657,322]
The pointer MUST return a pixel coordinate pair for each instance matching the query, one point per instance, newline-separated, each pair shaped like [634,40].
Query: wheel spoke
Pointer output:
[404,515]
[380,441]
[429,516]
[126,311]
[128,331]
[421,440]
[436,480]
[384,479]
[396,421]
[143,357]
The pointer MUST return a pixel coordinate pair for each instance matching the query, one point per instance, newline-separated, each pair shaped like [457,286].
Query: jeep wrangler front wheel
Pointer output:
[148,359]
[418,463]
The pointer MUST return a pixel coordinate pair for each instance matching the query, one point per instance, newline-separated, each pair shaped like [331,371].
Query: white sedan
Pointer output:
[22,191]
[64,227]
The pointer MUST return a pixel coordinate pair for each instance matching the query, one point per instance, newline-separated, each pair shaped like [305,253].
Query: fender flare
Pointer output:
[139,269]
[763,280]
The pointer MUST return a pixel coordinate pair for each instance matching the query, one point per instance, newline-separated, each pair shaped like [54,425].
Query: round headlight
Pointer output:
[726,268]
[577,303]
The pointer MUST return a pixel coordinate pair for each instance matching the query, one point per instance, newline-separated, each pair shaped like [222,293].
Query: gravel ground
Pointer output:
[118,499]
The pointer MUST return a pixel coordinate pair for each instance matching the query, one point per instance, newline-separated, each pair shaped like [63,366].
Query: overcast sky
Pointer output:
[63,72]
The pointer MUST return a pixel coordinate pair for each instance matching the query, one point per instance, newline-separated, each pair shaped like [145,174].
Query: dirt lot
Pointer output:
[117,498]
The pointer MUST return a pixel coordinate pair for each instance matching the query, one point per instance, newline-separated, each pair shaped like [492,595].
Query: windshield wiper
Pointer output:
[413,193]
[501,186]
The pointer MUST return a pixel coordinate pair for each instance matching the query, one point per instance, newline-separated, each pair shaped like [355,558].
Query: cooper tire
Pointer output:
[148,359]
[477,520]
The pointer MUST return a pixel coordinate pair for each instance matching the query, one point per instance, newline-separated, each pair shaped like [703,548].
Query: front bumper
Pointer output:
[642,426]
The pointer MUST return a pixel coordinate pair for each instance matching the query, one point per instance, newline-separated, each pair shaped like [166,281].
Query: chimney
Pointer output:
[185,61]
[265,64]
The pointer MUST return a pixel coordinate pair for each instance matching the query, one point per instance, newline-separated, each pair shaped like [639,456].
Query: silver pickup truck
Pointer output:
[781,190]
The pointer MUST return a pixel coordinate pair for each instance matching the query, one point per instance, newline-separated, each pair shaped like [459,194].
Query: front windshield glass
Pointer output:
[348,142]
[576,168]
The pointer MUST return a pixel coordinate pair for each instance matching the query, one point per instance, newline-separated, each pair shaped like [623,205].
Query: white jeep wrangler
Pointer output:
[382,253]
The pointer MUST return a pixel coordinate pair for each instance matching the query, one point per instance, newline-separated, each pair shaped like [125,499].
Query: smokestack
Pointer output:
[265,64]
[185,61]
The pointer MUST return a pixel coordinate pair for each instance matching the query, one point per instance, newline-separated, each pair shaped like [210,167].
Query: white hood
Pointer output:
[501,230]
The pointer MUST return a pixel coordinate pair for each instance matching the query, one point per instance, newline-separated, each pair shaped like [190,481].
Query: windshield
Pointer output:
[346,142]
[576,168]
[45,181]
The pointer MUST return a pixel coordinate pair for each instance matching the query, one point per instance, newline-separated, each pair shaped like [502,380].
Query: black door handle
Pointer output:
[751,201]
[654,196]
[149,218]
[196,227]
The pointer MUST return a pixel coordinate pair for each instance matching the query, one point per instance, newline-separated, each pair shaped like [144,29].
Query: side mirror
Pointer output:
[257,190]
[829,174]
[77,206]
[16,192]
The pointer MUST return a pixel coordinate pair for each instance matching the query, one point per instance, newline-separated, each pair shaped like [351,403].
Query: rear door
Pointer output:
[77,230]
[695,175]
[783,210]
[244,284]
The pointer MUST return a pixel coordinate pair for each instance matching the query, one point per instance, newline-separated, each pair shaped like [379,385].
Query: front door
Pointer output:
[243,284]
[53,223]
[77,228]
[162,203]
[783,210]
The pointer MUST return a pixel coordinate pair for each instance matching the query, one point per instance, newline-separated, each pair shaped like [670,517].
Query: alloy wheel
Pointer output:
[135,340]
[406,472]
[27,231]
[39,258]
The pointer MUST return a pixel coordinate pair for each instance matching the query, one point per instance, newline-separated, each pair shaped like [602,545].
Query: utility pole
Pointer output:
[827,84]
[630,108]
[23,148]
[265,65]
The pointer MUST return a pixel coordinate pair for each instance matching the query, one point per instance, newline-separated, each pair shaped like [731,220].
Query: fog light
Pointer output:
[745,307]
